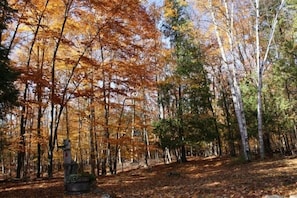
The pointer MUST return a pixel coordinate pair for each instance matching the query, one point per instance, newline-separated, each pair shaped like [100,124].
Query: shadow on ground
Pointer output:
[210,177]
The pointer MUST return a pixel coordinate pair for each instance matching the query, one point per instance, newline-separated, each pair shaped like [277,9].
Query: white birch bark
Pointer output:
[229,62]
[260,69]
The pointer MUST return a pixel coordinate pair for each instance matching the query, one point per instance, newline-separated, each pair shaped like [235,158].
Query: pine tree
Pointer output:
[187,87]
[8,92]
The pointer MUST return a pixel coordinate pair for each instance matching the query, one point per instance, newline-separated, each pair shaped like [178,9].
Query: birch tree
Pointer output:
[261,64]
[244,48]
[229,62]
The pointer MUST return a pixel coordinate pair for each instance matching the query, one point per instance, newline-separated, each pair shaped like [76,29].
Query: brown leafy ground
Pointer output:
[210,177]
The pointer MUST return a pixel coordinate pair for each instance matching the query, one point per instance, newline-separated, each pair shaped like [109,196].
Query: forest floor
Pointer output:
[200,177]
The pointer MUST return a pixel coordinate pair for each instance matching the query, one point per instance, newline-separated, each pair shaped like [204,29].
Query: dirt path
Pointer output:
[211,177]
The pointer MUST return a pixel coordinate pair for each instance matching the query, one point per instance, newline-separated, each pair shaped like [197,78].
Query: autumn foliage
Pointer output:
[129,81]
[79,60]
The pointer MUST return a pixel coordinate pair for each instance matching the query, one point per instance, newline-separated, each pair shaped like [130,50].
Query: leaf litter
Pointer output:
[199,177]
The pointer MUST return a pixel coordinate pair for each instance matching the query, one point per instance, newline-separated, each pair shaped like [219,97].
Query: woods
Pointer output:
[133,82]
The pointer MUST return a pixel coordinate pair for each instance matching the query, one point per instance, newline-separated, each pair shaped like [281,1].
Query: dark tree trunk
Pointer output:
[231,144]
[267,145]
[91,136]
[287,144]
[38,144]
[183,154]
[180,128]
[21,152]
[103,166]
[39,116]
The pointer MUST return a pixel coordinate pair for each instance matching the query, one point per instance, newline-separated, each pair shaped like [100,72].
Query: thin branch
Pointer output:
[272,34]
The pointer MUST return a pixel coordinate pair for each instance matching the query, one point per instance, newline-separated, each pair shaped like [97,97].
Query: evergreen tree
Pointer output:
[8,92]
[185,91]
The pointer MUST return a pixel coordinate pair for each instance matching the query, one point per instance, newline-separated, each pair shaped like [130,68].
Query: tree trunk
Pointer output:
[259,88]
[229,62]
[21,155]
[21,152]
[55,117]
[180,128]
[106,150]
[167,156]
[145,133]
[216,126]
[92,143]
[39,116]
[228,123]
[267,145]
[97,155]
[260,68]
[27,169]
[80,125]
[92,126]
[147,151]
[132,150]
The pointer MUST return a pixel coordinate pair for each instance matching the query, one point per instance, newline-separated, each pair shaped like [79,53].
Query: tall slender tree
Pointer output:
[186,89]
[228,57]
[261,61]
[174,27]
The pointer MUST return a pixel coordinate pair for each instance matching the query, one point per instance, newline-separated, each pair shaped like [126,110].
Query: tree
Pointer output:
[8,91]
[281,83]
[261,64]
[184,94]
[176,22]
[228,52]
[251,49]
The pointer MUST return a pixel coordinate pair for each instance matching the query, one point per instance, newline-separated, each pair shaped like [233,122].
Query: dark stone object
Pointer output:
[79,185]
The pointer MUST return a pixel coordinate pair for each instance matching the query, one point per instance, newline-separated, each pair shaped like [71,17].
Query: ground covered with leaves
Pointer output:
[208,177]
